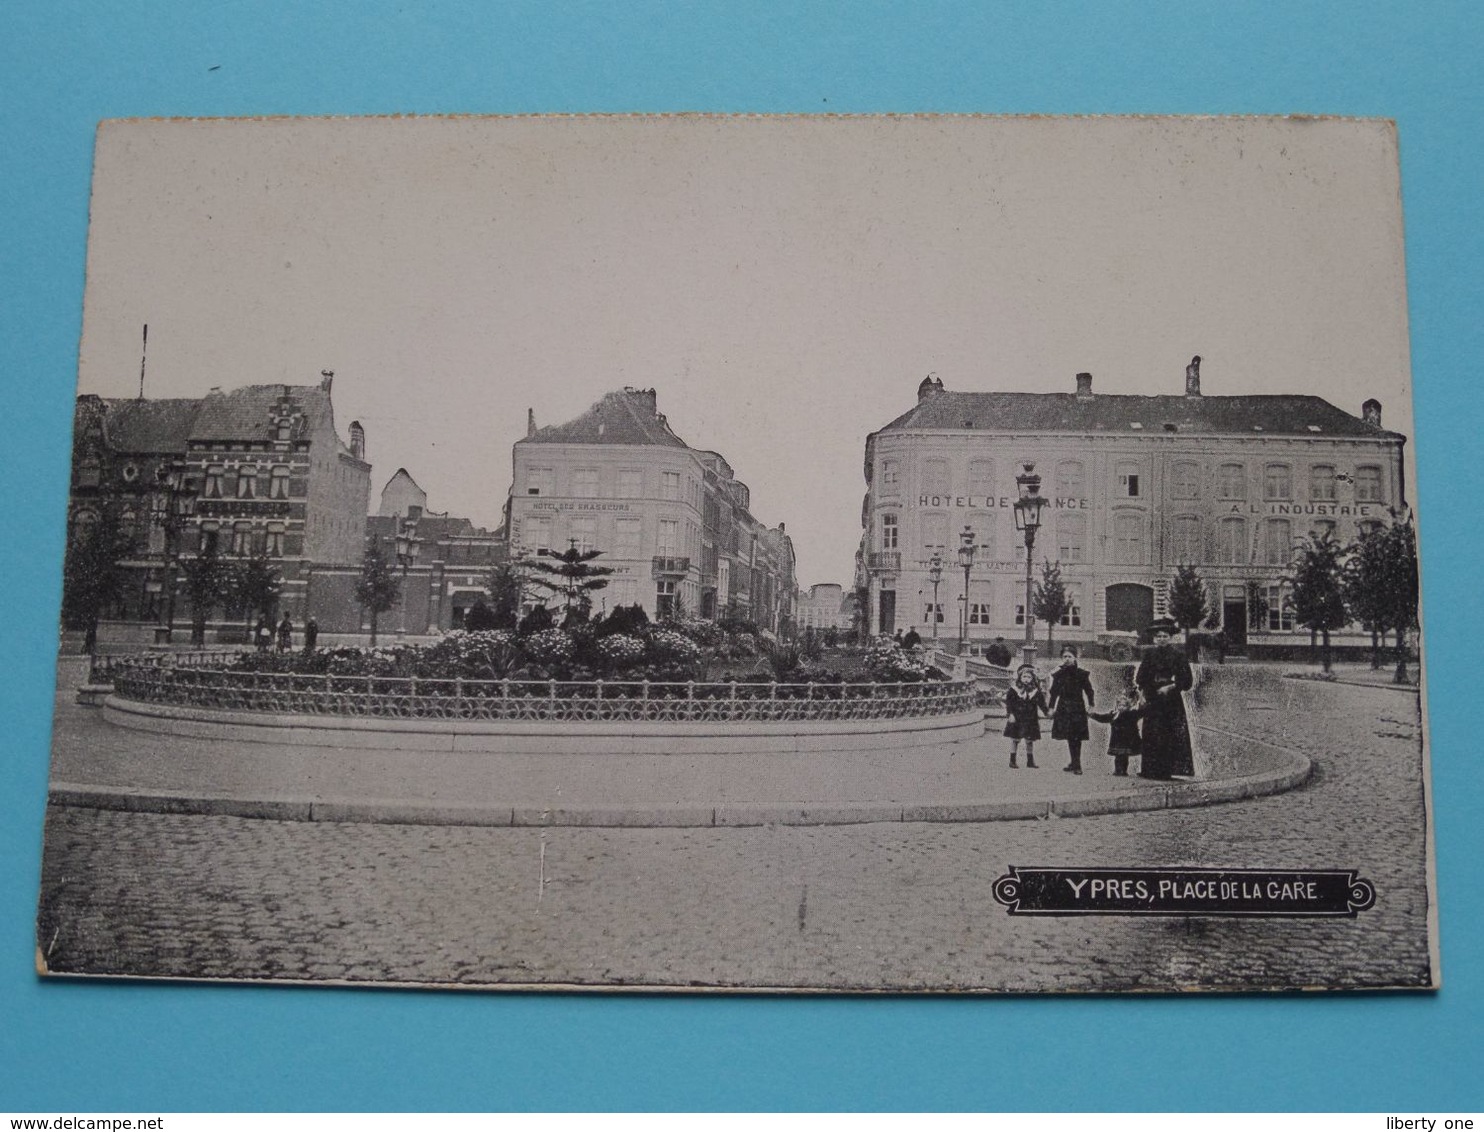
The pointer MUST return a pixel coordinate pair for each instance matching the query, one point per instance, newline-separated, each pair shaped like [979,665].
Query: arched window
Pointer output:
[1185,479]
[1128,539]
[1231,542]
[1277,482]
[1368,484]
[1322,482]
[1231,482]
[1071,538]
[1185,540]
[1277,542]
[1071,480]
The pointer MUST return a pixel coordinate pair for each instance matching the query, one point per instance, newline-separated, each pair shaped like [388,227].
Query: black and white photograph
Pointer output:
[743,553]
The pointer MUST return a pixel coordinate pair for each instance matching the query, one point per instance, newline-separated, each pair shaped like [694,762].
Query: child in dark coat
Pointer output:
[1123,743]
[1023,704]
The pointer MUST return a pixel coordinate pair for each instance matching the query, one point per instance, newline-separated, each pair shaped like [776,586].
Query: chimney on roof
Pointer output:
[930,386]
[530,422]
[1084,386]
[1193,377]
[357,440]
[1370,412]
[326,379]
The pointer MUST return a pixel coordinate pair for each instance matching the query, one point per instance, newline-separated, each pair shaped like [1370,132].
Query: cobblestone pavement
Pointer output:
[846,907]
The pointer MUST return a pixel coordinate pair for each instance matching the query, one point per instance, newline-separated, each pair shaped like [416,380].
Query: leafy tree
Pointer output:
[1318,592]
[93,577]
[505,586]
[1189,602]
[570,574]
[378,589]
[1381,584]
[254,587]
[1050,600]
[207,581]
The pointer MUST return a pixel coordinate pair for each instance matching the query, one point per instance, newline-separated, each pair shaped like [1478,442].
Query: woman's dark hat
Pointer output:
[1163,625]
[1031,668]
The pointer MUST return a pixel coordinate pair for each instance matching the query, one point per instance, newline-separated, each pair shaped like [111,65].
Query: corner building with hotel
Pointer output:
[1135,487]
[673,522]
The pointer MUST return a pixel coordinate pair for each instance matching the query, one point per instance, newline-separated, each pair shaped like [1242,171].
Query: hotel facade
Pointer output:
[673,522]
[1136,486]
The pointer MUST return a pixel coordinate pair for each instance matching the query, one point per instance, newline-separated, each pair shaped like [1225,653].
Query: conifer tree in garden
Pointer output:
[1050,600]
[378,589]
[1190,604]
[571,574]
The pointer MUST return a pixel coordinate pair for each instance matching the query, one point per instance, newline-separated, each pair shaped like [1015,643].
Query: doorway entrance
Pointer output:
[1234,618]
[888,613]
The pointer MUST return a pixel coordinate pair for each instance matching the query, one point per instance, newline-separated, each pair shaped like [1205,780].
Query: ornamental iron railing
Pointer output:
[406,697]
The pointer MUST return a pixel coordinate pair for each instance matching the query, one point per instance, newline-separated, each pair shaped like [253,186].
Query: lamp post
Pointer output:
[1028,505]
[966,560]
[406,556]
[935,572]
[174,513]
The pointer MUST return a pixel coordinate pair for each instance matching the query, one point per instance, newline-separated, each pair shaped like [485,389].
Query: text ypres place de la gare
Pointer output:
[1183,892]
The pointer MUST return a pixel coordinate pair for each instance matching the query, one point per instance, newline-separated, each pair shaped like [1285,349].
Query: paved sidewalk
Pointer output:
[98,764]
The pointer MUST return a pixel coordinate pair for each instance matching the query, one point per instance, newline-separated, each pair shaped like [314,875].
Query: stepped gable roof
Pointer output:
[627,416]
[247,413]
[1274,414]
[131,425]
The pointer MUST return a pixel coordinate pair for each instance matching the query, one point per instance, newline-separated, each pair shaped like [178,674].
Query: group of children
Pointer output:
[1068,702]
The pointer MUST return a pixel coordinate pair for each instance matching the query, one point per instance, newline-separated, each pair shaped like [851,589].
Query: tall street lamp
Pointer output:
[1028,505]
[177,505]
[406,556]
[935,572]
[966,560]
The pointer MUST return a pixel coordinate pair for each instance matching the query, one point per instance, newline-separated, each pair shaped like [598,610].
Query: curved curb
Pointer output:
[1294,770]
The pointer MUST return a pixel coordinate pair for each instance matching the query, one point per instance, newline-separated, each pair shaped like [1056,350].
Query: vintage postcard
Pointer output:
[743,553]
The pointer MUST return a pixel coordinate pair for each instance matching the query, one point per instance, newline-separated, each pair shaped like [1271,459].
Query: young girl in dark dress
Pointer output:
[1071,696]
[1123,743]
[1023,704]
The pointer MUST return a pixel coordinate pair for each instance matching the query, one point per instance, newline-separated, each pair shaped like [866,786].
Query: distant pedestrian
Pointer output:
[1123,742]
[263,634]
[285,634]
[1023,704]
[1163,676]
[1071,696]
[911,639]
[897,637]
[311,634]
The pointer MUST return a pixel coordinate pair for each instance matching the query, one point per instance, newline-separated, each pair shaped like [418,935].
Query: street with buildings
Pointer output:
[902,905]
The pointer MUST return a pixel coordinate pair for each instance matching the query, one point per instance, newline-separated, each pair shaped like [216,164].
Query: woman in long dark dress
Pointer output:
[1163,676]
[1071,696]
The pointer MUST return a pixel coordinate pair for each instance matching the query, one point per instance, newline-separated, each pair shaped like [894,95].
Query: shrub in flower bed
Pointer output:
[659,654]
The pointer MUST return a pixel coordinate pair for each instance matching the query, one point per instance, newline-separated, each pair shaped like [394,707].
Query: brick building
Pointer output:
[258,470]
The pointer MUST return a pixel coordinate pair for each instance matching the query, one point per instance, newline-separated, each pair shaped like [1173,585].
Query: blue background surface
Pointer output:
[115,1046]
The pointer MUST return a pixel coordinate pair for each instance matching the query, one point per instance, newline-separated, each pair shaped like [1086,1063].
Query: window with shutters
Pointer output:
[1231,542]
[1185,480]
[1231,482]
[1322,482]
[1277,482]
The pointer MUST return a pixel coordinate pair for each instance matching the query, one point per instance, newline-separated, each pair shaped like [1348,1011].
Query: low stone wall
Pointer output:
[407,713]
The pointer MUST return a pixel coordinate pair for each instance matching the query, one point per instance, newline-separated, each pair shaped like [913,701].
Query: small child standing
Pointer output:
[1123,743]
[1023,704]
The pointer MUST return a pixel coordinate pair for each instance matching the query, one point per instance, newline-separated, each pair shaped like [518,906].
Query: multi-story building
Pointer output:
[255,471]
[447,558]
[673,522]
[1136,486]
[824,607]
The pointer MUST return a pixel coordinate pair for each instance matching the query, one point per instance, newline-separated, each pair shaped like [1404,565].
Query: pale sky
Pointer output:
[783,283]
